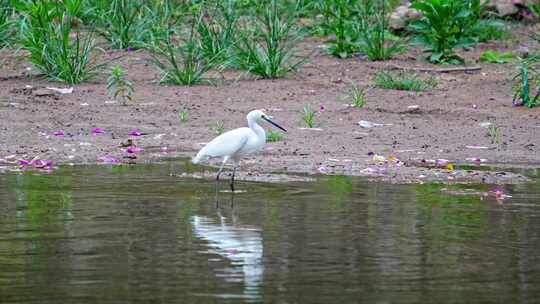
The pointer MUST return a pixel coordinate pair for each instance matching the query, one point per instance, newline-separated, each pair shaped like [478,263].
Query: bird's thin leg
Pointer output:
[217,178]
[235,165]
[232,178]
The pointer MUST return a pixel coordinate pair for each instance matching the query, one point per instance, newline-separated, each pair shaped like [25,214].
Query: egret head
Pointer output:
[258,115]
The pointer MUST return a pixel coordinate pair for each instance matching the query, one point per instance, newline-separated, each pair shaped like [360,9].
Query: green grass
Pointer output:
[183,115]
[357,96]
[340,19]
[375,40]
[273,136]
[119,87]
[182,62]
[490,28]
[496,57]
[309,117]
[217,31]
[53,44]
[218,128]
[269,50]
[526,82]
[495,133]
[7,25]
[404,81]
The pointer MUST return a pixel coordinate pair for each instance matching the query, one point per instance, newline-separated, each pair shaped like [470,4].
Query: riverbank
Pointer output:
[407,134]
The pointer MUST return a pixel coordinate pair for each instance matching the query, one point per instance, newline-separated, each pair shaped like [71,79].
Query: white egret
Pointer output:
[234,144]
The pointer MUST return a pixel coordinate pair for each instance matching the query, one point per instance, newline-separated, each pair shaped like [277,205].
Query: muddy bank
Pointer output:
[448,122]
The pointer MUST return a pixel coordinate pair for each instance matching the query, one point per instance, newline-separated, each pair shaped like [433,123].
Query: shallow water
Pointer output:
[135,234]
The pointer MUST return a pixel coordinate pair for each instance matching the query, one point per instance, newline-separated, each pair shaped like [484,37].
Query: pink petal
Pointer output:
[232,251]
[38,163]
[23,162]
[441,162]
[132,150]
[98,131]
[323,169]
[59,133]
[495,190]
[136,133]
[322,108]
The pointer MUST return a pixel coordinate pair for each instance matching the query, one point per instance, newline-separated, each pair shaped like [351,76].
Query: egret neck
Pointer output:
[258,130]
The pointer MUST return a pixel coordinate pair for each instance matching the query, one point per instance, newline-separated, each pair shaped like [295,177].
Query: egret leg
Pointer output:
[235,165]
[225,159]
[232,178]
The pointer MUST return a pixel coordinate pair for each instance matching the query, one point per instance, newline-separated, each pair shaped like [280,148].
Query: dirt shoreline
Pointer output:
[446,124]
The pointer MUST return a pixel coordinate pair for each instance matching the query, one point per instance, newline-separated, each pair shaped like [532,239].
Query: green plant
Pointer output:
[53,46]
[273,136]
[490,28]
[7,24]
[375,41]
[183,115]
[124,23]
[341,19]
[444,26]
[269,51]
[496,57]
[183,64]
[495,133]
[526,82]
[217,31]
[404,81]
[310,117]
[119,87]
[358,96]
[218,128]
[535,8]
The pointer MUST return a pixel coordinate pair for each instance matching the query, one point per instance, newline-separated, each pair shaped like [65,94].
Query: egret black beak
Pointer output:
[273,123]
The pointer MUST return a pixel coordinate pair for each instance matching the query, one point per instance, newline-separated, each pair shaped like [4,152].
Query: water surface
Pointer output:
[99,234]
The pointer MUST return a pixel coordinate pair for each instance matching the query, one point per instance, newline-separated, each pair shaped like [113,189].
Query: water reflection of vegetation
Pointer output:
[41,199]
[340,188]
[452,217]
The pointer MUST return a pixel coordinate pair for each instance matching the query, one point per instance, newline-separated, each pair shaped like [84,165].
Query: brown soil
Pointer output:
[445,124]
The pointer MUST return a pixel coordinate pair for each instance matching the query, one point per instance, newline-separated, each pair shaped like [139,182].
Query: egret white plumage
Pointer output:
[234,144]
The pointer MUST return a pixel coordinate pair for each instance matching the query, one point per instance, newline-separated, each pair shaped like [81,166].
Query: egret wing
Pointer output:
[228,143]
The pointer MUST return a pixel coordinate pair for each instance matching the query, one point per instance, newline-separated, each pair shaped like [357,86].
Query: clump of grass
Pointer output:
[273,136]
[358,27]
[534,7]
[341,19]
[55,47]
[526,82]
[123,23]
[495,133]
[183,115]
[269,50]
[490,28]
[217,32]
[496,57]
[310,117]
[375,41]
[182,64]
[358,96]
[119,87]
[404,81]
[7,25]
[218,128]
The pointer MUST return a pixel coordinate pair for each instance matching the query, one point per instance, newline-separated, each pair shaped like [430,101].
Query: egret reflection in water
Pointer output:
[241,245]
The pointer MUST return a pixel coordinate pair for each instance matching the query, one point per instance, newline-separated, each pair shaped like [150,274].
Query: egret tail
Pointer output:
[201,156]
